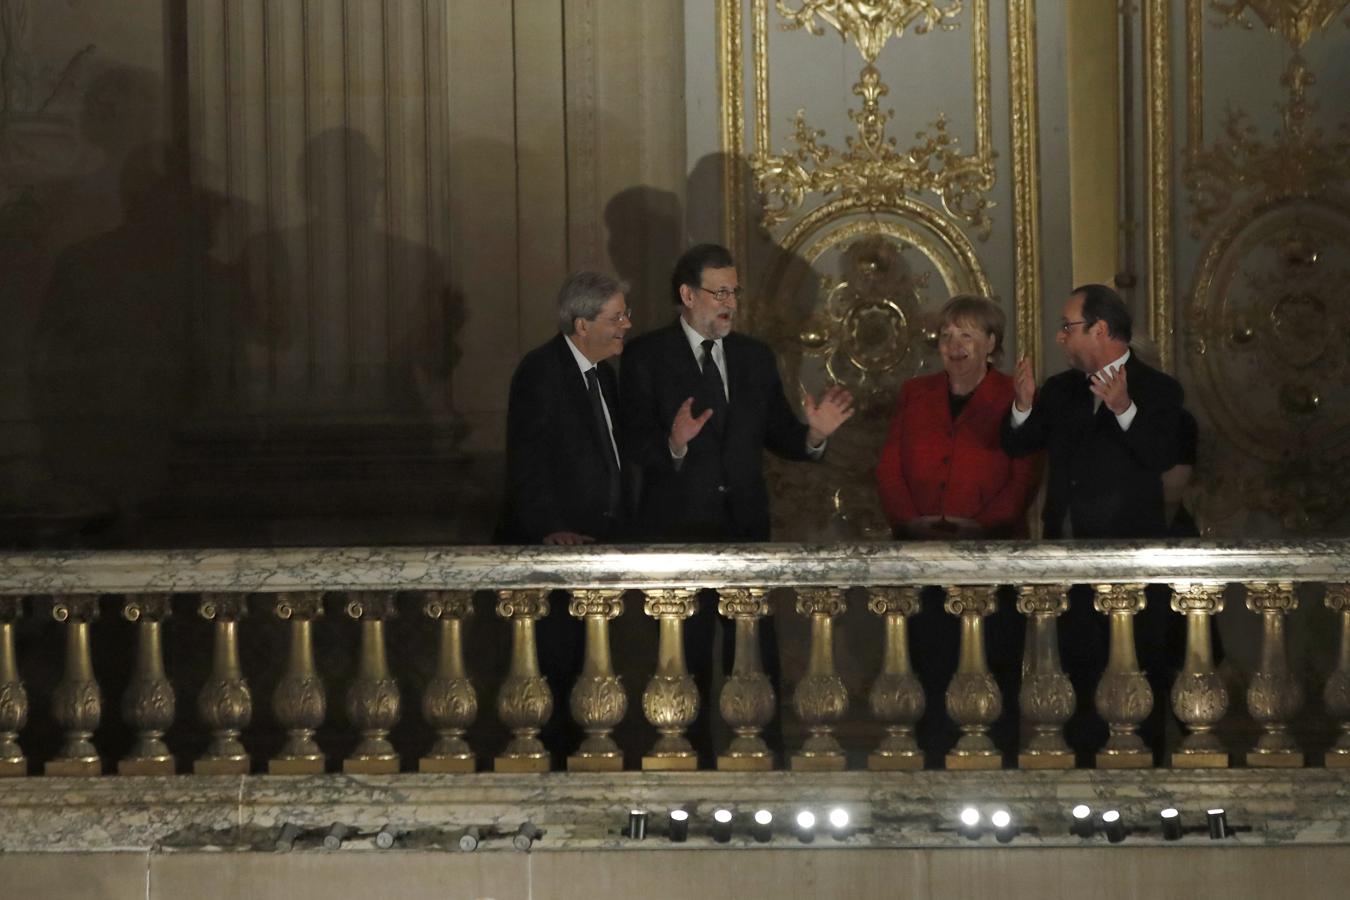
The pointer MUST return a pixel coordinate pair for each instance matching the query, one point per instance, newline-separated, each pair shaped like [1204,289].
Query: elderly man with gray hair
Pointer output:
[563,483]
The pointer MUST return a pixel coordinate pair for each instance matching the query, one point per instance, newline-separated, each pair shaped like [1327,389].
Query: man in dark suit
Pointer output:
[1111,425]
[563,483]
[701,404]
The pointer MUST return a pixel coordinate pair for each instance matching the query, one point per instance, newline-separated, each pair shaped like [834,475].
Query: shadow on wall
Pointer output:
[645,227]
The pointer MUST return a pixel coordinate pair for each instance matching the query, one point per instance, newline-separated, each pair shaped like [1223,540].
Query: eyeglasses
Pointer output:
[1065,326]
[724,294]
[618,319]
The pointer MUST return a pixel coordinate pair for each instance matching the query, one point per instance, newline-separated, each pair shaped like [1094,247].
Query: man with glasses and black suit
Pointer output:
[563,482]
[701,404]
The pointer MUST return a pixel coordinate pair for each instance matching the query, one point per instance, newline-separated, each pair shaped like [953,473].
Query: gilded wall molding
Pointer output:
[731,82]
[1159,169]
[869,25]
[1026,166]
[1296,22]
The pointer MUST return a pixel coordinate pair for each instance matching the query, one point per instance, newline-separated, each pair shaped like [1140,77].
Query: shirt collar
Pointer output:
[696,340]
[1114,366]
[584,364]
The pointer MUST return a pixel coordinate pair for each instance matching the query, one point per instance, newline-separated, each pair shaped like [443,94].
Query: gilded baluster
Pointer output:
[299,701]
[76,703]
[670,701]
[598,701]
[1336,694]
[13,696]
[1123,696]
[1047,697]
[747,701]
[373,699]
[1274,695]
[225,703]
[1199,698]
[524,702]
[973,698]
[148,704]
[896,699]
[450,703]
[821,698]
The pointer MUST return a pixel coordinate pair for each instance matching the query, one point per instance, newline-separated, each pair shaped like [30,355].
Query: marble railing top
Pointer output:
[702,565]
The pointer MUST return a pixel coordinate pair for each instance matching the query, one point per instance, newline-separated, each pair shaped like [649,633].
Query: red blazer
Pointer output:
[932,466]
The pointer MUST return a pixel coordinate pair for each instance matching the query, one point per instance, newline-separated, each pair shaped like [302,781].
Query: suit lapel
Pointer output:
[574,389]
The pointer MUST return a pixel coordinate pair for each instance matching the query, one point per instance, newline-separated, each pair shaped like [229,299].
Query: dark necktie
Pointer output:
[606,443]
[714,394]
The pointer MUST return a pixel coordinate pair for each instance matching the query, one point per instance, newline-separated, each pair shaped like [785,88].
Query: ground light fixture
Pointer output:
[1082,825]
[721,829]
[806,826]
[762,831]
[337,833]
[839,823]
[1171,824]
[1004,830]
[467,840]
[637,824]
[970,823]
[1113,826]
[679,825]
[526,835]
[286,837]
[1218,824]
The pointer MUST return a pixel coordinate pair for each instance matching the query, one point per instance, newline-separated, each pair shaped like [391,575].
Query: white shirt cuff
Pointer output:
[1127,417]
[818,451]
[1018,416]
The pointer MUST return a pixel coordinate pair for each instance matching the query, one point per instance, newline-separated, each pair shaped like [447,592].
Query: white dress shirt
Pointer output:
[585,365]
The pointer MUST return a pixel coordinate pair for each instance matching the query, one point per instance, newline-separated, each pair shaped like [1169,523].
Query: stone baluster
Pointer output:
[524,701]
[449,703]
[299,701]
[13,697]
[820,699]
[973,698]
[747,701]
[1199,698]
[896,698]
[1123,695]
[1336,694]
[372,699]
[598,701]
[225,703]
[670,701]
[1046,697]
[76,703]
[1274,695]
[148,704]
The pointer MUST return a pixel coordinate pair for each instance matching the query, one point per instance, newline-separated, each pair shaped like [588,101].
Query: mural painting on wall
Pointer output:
[871,236]
[1267,322]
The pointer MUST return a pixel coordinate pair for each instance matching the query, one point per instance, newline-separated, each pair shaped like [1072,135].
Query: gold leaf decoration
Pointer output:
[869,25]
[1296,22]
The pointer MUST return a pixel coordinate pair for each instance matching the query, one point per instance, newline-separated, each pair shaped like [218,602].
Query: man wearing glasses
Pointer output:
[563,483]
[1111,425]
[701,404]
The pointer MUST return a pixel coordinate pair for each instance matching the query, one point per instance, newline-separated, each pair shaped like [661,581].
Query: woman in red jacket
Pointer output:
[942,472]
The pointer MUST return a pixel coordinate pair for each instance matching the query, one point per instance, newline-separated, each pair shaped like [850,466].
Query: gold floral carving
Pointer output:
[450,703]
[1296,22]
[872,173]
[1158,160]
[869,25]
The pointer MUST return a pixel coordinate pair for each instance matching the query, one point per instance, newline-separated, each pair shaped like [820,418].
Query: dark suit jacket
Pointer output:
[1105,479]
[717,492]
[556,478]
[931,465]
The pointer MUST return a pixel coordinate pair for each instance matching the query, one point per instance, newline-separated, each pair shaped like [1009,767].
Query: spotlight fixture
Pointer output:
[468,839]
[286,837]
[337,833]
[679,825]
[385,837]
[1004,831]
[526,835]
[763,828]
[1218,824]
[1114,827]
[970,823]
[721,830]
[1082,822]
[637,824]
[806,826]
[839,822]
[1171,824]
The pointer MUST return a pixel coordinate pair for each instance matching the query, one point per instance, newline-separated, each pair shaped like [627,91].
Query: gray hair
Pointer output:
[582,295]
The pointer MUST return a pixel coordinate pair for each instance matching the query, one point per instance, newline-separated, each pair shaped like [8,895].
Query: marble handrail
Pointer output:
[686,566]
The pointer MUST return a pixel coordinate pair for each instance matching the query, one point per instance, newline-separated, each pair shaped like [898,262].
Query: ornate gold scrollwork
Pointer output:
[225,703]
[670,701]
[450,703]
[1295,22]
[872,173]
[869,25]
